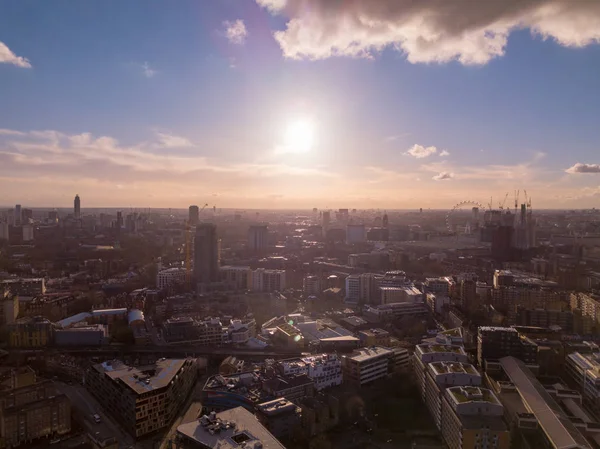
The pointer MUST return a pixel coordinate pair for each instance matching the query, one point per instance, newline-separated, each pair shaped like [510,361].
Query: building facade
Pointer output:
[366,365]
[143,399]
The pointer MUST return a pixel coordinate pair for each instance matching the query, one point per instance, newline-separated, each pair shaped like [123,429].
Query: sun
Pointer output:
[299,136]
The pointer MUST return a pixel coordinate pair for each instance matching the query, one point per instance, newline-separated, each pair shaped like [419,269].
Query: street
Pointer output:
[84,402]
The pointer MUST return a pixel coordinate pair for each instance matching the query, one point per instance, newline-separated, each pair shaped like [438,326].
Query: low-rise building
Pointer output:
[229,429]
[83,335]
[472,418]
[584,370]
[30,332]
[394,311]
[143,399]
[325,370]
[366,365]
[374,337]
[280,417]
[430,353]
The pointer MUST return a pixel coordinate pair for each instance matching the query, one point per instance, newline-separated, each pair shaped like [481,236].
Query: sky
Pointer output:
[382,104]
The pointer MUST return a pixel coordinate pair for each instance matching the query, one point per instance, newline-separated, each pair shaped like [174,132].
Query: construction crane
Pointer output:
[188,249]
[517,192]
[490,203]
[501,205]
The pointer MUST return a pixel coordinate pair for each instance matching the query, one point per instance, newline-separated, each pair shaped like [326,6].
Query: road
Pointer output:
[87,406]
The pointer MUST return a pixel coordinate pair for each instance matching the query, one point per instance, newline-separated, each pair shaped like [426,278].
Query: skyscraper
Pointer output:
[206,254]
[193,215]
[77,207]
[17,217]
[258,236]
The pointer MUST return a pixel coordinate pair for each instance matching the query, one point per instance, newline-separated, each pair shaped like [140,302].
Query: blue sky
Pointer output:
[268,103]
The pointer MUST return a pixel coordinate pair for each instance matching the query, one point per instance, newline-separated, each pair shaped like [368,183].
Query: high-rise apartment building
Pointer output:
[193,215]
[258,238]
[4,230]
[206,254]
[77,207]
[18,218]
[236,277]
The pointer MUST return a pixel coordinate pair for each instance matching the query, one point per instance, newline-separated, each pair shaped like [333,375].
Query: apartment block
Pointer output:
[32,412]
[366,365]
[472,419]
[143,399]
[493,343]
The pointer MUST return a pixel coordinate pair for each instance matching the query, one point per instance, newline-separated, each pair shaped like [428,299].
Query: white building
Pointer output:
[366,365]
[411,295]
[241,331]
[170,276]
[235,277]
[355,233]
[353,288]
[264,280]
[431,353]
[325,370]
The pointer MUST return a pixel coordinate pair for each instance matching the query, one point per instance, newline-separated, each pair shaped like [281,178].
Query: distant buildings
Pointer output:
[193,215]
[25,286]
[206,254]
[311,286]
[143,399]
[77,207]
[170,276]
[258,238]
[236,277]
[263,280]
[355,233]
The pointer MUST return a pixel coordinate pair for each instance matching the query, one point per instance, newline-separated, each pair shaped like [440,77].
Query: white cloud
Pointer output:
[428,31]
[171,141]
[148,71]
[444,153]
[420,152]
[8,57]
[442,176]
[583,168]
[236,31]
[10,132]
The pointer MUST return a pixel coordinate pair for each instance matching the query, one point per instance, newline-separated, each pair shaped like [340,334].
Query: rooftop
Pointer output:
[374,332]
[472,394]
[362,354]
[231,429]
[142,379]
[454,367]
[559,430]
[276,407]
[441,348]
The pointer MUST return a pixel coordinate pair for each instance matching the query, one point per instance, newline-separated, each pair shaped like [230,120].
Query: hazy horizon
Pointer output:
[295,104]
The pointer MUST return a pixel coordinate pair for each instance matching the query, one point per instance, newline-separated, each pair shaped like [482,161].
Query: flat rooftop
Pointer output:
[231,429]
[362,354]
[559,430]
[142,379]
[472,394]
[453,367]
[441,348]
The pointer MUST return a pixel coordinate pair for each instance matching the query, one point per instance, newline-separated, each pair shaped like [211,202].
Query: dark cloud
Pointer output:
[584,168]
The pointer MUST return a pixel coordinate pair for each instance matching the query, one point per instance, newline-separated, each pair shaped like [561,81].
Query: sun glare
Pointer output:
[299,136]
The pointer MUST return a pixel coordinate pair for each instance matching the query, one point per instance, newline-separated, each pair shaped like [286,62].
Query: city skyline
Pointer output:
[238,104]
